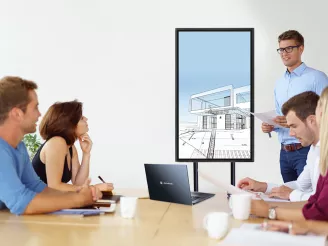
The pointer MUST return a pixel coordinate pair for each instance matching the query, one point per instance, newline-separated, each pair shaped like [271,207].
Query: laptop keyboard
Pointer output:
[198,197]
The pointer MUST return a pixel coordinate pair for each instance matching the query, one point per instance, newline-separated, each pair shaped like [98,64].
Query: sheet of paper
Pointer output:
[235,190]
[111,209]
[267,117]
[227,187]
[268,199]
[252,236]
[105,201]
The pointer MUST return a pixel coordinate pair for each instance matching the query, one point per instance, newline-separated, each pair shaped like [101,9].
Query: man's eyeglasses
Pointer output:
[288,49]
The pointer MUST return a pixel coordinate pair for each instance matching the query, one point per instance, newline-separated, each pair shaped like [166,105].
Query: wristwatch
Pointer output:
[272,213]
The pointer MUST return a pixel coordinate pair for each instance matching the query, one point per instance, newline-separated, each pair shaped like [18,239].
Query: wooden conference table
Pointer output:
[156,223]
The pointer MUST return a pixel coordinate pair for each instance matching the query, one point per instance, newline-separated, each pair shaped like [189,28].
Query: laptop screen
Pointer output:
[168,182]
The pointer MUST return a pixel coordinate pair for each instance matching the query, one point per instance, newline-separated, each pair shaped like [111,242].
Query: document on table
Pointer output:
[267,117]
[235,190]
[227,187]
[266,198]
[250,235]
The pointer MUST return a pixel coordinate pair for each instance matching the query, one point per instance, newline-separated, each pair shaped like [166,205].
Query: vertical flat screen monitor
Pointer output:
[214,94]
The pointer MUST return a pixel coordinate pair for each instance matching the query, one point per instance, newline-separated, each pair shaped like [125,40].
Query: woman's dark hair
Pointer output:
[61,120]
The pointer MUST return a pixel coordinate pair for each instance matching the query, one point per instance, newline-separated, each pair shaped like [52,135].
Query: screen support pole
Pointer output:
[195,176]
[233,173]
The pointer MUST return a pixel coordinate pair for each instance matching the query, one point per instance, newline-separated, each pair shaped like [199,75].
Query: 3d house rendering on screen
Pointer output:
[223,123]
[214,95]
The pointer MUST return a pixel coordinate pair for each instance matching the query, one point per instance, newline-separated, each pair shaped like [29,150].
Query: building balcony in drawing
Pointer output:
[224,108]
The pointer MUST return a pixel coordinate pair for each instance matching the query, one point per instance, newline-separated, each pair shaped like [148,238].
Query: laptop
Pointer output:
[170,183]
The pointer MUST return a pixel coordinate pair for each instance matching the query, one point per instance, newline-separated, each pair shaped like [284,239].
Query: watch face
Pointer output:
[272,213]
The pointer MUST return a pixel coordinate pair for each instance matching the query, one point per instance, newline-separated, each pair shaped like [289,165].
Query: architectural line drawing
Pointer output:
[222,130]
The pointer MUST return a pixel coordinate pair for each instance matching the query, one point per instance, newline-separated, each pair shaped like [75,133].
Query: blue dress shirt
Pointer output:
[302,79]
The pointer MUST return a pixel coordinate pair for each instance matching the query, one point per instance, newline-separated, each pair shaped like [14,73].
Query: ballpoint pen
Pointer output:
[101,179]
[109,192]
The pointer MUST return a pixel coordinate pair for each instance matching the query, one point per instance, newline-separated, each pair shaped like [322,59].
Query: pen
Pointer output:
[269,134]
[101,179]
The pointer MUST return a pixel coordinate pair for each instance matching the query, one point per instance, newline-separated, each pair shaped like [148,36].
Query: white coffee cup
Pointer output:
[241,206]
[128,206]
[217,224]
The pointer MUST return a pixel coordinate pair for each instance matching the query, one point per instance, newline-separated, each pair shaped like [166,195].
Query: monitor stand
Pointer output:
[232,174]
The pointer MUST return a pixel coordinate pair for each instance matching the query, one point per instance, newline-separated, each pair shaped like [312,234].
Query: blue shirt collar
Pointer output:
[297,71]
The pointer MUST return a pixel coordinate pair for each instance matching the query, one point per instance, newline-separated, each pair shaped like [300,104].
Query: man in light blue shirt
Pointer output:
[298,78]
[19,183]
[21,190]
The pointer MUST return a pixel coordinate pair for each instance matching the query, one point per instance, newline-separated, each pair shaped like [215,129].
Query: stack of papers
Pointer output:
[103,203]
[107,200]
[250,235]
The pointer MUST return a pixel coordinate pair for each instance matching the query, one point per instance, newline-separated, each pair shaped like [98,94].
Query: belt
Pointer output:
[291,147]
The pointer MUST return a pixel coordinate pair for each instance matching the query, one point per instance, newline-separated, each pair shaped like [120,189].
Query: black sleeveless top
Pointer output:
[40,167]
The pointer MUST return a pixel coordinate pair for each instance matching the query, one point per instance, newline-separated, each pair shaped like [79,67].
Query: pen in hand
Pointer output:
[269,134]
[110,191]
[101,179]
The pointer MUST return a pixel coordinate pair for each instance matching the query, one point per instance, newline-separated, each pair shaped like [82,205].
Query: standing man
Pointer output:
[21,190]
[298,78]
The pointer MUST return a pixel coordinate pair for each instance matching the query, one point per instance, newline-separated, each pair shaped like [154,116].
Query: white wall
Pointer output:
[118,58]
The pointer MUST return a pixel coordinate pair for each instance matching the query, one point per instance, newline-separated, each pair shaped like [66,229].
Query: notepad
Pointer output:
[78,212]
[110,198]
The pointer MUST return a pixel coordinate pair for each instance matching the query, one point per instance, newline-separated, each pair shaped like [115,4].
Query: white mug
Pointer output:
[217,224]
[128,206]
[241,206]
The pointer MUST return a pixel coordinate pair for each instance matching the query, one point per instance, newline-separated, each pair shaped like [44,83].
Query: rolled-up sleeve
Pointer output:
[302,187]
[13,193]
[297,196]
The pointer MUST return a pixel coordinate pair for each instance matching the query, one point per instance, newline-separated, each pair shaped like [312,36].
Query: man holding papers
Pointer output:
[297,79]
[301,119]
[21,190]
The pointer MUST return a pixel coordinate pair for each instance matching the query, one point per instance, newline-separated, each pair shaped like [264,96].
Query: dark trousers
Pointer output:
[292,163]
